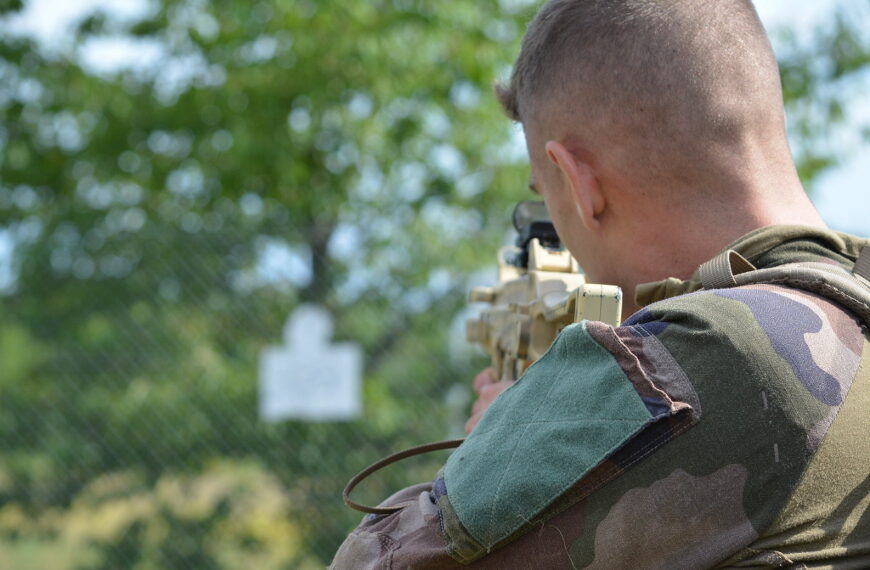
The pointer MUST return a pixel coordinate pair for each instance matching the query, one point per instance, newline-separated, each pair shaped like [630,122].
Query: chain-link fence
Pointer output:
[129,423]
[163,213]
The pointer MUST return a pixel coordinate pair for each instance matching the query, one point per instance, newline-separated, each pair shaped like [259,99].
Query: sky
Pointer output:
[842,194]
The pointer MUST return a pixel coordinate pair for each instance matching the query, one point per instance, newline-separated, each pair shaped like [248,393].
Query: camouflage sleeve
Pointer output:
[673,441]
[409,538]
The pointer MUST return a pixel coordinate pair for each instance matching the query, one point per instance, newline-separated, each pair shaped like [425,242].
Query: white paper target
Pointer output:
[308,378]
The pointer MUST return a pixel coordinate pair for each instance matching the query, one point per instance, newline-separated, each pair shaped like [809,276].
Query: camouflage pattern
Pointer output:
[755,451]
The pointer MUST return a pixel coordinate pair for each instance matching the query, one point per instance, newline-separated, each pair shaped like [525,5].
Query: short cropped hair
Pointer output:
[664,68]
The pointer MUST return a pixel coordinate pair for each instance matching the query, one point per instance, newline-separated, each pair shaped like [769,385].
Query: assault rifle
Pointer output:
[540,291]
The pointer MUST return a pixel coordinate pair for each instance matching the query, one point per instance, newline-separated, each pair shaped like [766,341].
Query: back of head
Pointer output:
[669,86]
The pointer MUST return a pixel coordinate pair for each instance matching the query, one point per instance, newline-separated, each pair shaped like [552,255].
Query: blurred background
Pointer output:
[178,176]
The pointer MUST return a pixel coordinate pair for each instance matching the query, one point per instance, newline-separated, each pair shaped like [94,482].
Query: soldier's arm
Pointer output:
[671,442]
[516,490]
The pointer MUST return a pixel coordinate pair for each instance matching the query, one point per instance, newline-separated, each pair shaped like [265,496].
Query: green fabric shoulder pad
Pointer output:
[570,411]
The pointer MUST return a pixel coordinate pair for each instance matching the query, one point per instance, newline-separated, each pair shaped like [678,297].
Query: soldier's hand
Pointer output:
[487,387]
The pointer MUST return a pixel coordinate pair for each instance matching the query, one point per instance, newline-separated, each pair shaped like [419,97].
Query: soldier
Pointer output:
[719,426]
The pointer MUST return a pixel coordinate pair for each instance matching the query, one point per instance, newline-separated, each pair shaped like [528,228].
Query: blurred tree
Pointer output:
[167,217]
[822,79]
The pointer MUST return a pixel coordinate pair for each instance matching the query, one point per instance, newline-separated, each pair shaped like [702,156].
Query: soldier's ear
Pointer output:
[580,181]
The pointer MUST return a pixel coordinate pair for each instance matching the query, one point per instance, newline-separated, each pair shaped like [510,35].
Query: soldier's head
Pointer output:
[640,109]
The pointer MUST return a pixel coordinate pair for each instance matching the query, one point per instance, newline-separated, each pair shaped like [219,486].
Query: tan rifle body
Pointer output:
[530,306]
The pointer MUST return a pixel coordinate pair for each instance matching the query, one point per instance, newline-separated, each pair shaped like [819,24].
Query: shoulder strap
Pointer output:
[852,290]
[719,272]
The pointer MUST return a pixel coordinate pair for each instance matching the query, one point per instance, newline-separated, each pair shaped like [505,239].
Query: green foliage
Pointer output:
[230,515]
[818,79]
[148,209]
[167,219]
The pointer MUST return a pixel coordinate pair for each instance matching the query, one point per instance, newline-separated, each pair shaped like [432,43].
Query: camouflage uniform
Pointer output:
[724,428]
